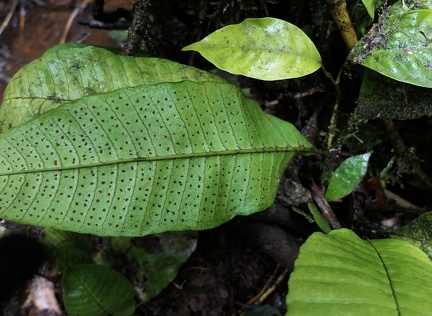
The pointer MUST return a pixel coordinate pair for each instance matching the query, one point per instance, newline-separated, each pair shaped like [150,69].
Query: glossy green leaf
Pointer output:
[68,72]
[91,289]
[266,49]
[147,159]
[68,248]
[159,257]
[340,274]
[347,176]
[400,48]
[418,232]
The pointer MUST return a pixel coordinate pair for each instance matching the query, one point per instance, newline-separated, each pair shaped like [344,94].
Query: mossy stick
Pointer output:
[343,21]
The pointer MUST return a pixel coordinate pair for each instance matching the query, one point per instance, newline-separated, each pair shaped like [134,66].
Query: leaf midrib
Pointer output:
[166,157]
[390,282]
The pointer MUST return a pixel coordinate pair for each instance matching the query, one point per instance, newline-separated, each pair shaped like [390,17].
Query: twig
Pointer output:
[70,19]
[333,119]
[8,16]
[138,31]
[343,22]
[268,288]
[267,285]
[278,281]
[324,206]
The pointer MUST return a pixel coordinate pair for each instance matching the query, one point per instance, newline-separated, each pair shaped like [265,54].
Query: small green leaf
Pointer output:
[159,262]
[371,6]
[69,248]
[319,218]
[400,50]
[340,274]
[266,49]
[362,13]
[347,176]
[91,289]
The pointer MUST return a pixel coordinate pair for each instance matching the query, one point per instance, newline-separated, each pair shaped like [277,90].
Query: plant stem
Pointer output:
[324,206]
[333,119]
[138,31]
[343,21]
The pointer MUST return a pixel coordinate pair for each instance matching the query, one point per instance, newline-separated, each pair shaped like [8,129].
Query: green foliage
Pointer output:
[371,6]
[340,274]
[400,48]
[383,97]
[401,7]
[362,13]
[418,232]
[142,145]
[347,176]
[90,289]
[158,257]
[145,159]
[68,72]
[319,218]
[68,248]
[266,49]
[159,262]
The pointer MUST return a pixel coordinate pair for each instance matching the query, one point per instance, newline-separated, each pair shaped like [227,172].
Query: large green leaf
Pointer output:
[91,289]
[340,274]
[266,49]
[400,48]
[147,159]
[68,72]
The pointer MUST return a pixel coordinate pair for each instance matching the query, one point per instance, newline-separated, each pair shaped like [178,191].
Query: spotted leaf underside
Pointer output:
[147,159]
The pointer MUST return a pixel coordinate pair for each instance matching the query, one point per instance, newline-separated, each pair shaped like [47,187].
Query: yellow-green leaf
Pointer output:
[266,49]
